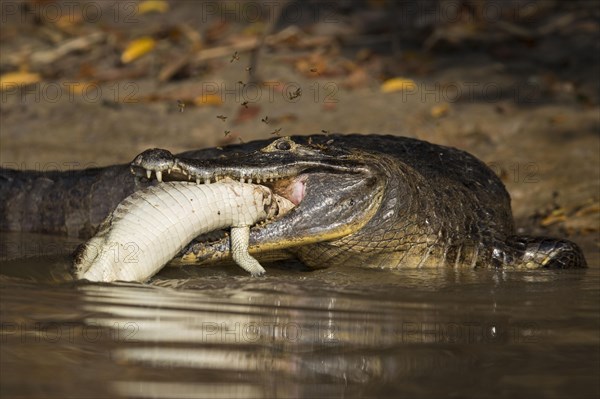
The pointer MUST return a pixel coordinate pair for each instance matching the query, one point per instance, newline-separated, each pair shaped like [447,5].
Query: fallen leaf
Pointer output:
[84,87]
[208,100]
[69,20]
[593,208]
[148,6]
[289,117]
[216,30]
[437,111]
[397,84]
[558,119]
[137,48]
[317,64]
[329,106]
[246,114]
[12,79]
[557,215]
[357,78]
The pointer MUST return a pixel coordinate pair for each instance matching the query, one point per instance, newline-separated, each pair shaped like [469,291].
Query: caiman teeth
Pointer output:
[208,180]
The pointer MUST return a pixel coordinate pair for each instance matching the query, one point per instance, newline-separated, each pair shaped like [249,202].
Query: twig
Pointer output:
[46,57]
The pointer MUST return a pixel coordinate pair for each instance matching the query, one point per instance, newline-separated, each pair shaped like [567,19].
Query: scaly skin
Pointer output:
[425,206]
[376,201]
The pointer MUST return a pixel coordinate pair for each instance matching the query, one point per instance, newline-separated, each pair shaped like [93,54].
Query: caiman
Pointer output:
[369,200]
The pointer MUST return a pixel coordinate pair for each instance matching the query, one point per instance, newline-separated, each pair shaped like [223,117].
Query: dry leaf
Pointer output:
[246,114]
[69,20]
[12,79]
[137,48]
[437,111]
[208,99]
[557,215]
[84,87]
[357,78]
[558,119]
[148,6]
[216,31]
[591,209]
[397,84]
[289,117]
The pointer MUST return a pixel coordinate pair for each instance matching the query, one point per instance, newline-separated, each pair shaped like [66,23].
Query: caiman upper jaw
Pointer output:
[281,159]
[155,159]
[160,161]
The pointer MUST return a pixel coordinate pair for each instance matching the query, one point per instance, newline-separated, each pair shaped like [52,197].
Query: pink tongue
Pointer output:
[296,191]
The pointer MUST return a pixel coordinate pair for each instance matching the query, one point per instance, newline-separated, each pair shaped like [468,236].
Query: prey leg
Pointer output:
[240,237]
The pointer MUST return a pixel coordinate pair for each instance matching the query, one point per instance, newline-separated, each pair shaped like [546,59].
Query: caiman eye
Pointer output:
[283,146]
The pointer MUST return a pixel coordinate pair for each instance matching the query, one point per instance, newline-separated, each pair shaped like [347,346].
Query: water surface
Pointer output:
[341,332]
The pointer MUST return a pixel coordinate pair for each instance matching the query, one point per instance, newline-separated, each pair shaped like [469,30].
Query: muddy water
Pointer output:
[346,332]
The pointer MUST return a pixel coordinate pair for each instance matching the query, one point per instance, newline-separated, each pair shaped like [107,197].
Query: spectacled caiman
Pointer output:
[369,200]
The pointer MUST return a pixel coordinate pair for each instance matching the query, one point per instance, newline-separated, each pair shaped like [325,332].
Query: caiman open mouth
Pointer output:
[287,181]
[333,196]
[292,188]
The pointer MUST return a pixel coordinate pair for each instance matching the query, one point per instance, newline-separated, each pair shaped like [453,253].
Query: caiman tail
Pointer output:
[531,252]
[69,203]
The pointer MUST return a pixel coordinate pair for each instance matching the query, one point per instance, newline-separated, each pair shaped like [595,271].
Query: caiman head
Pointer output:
[336,191]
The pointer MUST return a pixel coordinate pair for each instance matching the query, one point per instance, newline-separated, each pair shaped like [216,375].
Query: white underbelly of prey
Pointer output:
[151,226]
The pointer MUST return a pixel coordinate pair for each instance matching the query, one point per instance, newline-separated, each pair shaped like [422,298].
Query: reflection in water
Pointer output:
[213,333]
